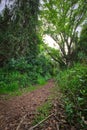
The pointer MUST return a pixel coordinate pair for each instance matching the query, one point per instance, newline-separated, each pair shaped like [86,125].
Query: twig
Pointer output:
[57,126]
[21,122]
[40,122]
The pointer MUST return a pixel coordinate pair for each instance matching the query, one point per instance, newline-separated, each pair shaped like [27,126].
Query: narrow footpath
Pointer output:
[12,110]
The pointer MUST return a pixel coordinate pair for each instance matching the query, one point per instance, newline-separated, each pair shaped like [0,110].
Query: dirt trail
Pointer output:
[13,109]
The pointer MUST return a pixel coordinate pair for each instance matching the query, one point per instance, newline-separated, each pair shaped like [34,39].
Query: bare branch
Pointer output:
[40,122]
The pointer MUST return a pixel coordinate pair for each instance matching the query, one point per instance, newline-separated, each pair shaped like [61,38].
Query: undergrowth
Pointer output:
[15,83]
[19,92]
[73,83]
[43,111]
[20,74]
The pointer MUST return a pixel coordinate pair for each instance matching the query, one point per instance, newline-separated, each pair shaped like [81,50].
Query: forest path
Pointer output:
[12,110]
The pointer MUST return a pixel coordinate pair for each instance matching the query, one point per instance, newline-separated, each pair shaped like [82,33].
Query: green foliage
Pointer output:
[43,111]
[18,33]
[82,47]
[83,39]
[73,83]
[19,74]
[56,56]
[12,81]
[41,80]
[4,88]
[61,20]
[19,64]
[15,83]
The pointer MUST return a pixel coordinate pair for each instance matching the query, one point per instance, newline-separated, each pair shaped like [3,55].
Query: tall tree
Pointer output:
[18,30]
[62,19]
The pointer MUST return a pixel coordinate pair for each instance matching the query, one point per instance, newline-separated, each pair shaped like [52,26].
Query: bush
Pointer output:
[41,66]
[73,83]
[20,73]
[41,80]
[12,81]
[19,64]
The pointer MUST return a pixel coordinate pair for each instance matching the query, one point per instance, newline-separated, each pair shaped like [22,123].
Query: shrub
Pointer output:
[12,81]
[19,64]
[41,66]
[20,73]
[41,80]
[73,83]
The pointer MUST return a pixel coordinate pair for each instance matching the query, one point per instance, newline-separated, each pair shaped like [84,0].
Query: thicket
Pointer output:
[73,83]
[21,60]
[20,74]
[19,30]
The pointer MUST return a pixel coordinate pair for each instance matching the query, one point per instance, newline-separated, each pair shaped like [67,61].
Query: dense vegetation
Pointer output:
[73,83]
[22,60]
[25,60]
[61,20]
[20,74]
[18,30]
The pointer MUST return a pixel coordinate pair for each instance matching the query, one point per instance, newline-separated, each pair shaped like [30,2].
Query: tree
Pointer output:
[26,20]
[18,30]
[5,45]
[62,19]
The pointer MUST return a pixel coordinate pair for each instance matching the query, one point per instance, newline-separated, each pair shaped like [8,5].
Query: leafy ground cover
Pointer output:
[73,83]
[20,74]
[19,92]
[15,82]
[43,111]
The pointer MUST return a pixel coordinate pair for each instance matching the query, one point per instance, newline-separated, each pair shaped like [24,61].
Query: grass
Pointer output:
[19,92]
[43,111]
[46,108]
[41,80]
[14,83]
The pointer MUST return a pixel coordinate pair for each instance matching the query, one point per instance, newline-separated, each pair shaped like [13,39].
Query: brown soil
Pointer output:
[12,110]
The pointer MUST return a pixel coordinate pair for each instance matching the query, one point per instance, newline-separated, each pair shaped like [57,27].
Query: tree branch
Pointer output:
[40,122]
